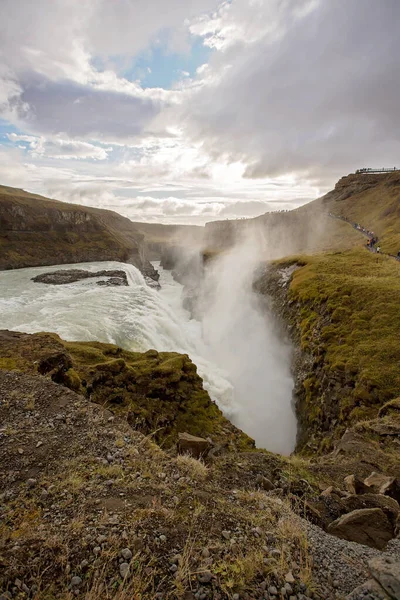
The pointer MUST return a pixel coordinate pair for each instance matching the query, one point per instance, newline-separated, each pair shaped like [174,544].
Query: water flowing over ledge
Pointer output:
[240,371]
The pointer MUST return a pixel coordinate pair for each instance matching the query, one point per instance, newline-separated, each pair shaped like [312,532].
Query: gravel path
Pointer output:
[340,564]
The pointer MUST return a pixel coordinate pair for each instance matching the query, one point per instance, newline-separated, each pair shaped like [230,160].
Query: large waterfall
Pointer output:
[138,318]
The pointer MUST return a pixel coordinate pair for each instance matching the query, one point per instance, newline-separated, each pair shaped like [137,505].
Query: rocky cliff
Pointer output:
[37,231]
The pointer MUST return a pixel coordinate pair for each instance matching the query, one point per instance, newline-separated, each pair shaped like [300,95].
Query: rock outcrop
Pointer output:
[63,277]
[37,231]
[369,526]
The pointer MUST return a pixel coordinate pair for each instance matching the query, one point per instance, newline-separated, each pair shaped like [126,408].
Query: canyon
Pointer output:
[293,317]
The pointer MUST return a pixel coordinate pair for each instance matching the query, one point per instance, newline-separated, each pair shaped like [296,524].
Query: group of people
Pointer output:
[372,238]
[372,243]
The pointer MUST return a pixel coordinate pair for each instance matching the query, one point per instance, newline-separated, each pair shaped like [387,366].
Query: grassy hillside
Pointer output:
[343,311]
[38,231]
[158,232]
[371,200]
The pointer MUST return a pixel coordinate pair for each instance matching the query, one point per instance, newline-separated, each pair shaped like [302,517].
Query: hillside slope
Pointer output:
[36,231]
[92,508]
[371,200]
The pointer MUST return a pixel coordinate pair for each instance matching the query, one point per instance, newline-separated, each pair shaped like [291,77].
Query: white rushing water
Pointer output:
[136,318]
[250,382]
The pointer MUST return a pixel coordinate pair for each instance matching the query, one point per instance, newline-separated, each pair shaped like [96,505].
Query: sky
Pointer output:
[189,111]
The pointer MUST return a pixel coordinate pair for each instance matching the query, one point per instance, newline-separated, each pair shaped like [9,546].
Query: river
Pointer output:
[138,318]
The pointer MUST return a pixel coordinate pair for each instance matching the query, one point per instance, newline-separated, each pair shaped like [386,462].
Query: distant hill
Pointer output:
[158,236]
[38,231]
[371,200]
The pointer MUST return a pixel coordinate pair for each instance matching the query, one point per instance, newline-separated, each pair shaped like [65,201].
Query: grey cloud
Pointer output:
[320,99]
[53,107]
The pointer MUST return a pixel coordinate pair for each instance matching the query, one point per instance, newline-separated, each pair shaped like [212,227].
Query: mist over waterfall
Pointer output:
[244,341]
[238,353]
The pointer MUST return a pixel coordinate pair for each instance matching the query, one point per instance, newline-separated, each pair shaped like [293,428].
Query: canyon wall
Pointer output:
[36,231]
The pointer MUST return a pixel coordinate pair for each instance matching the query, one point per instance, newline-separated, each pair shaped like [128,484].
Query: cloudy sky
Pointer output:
[185,111]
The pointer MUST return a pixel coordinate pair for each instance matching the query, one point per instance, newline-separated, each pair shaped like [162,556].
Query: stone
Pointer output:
[386,571]
[355,485]
[289,589]
[264,483]
[101,539]
[195,446]
[76,581]
[226,534]
[205,577]
[126,554]
[163,538]
[384,484]
[388,505]
[272,591]
[205,553]
[124,569]
[370,590]
[289,577]
[369,526]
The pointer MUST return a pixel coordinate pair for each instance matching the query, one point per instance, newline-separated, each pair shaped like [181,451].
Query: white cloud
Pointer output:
[60,148]
[314,90]
[293,95]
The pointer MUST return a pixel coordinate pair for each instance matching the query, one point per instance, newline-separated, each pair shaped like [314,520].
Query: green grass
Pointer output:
[160,393]
[350,319]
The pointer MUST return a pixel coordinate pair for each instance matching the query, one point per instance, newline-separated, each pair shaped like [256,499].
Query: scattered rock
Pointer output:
[383,484]
[386,572]
[126,554]
[195,446]
[264,483]
[205,577]
[369,526]
[289,577]
[76,581]
[389,506]
[124,569]
[355,485]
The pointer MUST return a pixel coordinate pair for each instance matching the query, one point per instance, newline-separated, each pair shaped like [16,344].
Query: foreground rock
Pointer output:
[195,446]
[63,277]
[369,526]
[385,584]
[91,507]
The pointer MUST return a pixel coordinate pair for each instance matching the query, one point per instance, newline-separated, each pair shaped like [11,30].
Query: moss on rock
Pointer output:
[160,393]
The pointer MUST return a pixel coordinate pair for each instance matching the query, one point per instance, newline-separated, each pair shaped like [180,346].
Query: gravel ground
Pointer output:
[340,564]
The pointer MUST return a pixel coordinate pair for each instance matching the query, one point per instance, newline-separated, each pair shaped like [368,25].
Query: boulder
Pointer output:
[384,484]
[370,590]
[368,526]
[195,446]
[389,506]
[265,483]
[386,571]
[355,485]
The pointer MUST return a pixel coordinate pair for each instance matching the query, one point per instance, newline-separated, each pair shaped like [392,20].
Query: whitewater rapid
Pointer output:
[244,363]
[136,318]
